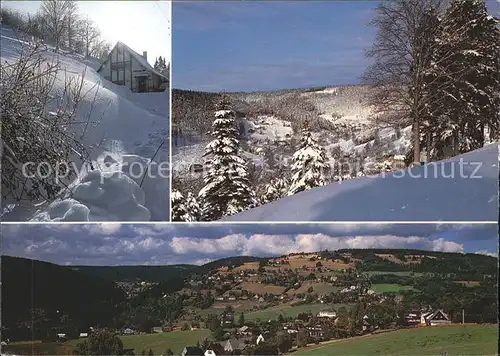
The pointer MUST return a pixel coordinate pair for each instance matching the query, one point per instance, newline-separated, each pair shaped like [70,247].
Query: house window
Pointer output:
[120,55]
[114,75]
[121,76]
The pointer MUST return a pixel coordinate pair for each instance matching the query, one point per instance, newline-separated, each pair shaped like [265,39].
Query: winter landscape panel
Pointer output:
[335,111]
[85,111]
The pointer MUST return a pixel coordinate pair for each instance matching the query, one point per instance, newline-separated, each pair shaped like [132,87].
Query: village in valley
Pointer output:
[301,303]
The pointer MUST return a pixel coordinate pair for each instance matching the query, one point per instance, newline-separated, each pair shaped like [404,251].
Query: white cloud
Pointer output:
[487,253]
[443,245]
[273,245]
[229,243]
[103,228]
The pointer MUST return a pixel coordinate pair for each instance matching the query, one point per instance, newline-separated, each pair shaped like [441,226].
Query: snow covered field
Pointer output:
[131,130]
[464,188]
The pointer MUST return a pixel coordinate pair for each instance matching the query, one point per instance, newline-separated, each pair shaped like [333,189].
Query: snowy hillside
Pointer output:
[127,131]
[339,116]
[426,193]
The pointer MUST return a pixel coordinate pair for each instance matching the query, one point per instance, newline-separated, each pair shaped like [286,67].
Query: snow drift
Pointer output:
[463,188]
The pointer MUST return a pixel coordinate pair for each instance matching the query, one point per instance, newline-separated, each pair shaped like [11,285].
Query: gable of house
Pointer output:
[233,345]
[438,315]
[125,67]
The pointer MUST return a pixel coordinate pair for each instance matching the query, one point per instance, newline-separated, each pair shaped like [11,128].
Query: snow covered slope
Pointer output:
[131,129]
[437,191]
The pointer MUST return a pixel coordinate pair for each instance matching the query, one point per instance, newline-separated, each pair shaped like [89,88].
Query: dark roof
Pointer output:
[192,351]
[143,61]
[236,344]
[217,348]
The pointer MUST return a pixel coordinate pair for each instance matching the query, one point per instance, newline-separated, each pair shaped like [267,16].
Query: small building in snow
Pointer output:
[126,67]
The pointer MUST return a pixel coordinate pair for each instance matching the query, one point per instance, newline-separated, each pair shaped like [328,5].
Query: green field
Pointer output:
[291,311]
[384,288]
[434,340]
[400,273]
[159,343]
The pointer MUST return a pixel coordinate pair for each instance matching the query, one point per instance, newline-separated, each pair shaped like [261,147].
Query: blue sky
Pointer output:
[233,46]
[259,45]
[142,25]
[160,244]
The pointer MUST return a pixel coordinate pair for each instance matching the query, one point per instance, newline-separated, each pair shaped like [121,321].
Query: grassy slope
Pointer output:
[159,343]
[287,310]
[456,340]
[386,287]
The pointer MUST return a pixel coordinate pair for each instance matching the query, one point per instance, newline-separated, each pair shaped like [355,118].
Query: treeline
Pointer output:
[137,273]
[60,23]
[479,303]
[192,113]
[462,266]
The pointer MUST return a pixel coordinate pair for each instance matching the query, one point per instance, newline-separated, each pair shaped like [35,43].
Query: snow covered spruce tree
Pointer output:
[308,164]
[180,211]
[193,207]
[276,189]
[464,78]
[227,189]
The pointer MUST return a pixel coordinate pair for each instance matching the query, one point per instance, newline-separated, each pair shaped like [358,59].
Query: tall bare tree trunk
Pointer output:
[416,141]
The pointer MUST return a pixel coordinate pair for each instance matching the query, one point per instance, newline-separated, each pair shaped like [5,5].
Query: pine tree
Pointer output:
[464,78]
[227,189]
[275,190]
[180,211]
[161,65]
[193,207]
[308,164]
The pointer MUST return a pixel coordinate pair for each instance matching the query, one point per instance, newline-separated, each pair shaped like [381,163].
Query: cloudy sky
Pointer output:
[142,25]
[266,45]
[139,244]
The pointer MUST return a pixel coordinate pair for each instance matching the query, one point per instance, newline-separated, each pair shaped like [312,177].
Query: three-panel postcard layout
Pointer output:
[255,177]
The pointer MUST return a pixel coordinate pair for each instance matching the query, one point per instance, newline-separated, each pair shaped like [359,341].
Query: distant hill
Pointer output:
[57,290]
[137,273]
[158,273]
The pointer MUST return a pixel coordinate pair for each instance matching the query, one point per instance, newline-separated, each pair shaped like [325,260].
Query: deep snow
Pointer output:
[131,128]
[429,194]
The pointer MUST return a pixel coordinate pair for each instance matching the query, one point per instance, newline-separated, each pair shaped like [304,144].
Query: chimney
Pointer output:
[145,54]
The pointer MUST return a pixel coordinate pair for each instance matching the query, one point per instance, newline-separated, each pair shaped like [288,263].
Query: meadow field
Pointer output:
[435,340]
[387,287]
[291,311]
[159,343]
[399,273]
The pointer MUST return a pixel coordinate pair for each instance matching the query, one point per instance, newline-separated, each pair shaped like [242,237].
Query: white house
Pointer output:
[327,314]
[260,339]
[126,67]
[438,317]
[210,353]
